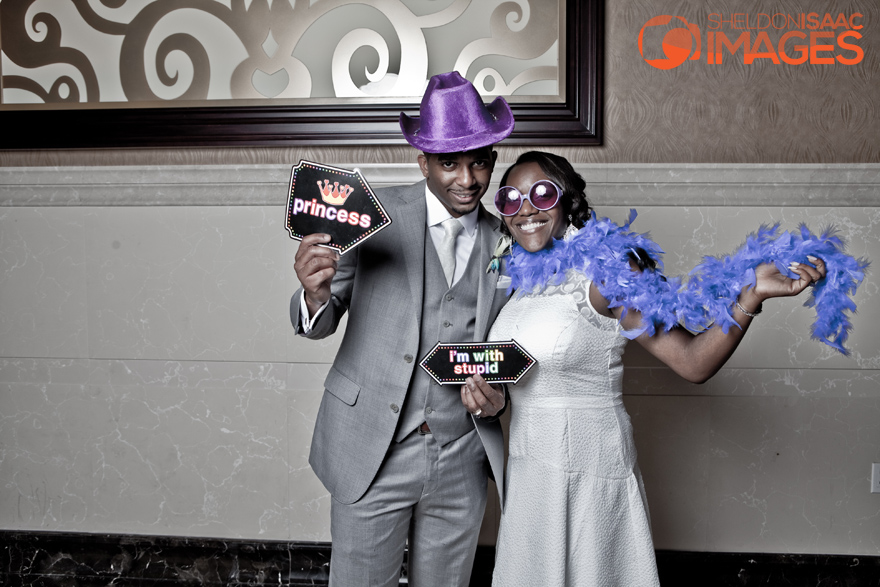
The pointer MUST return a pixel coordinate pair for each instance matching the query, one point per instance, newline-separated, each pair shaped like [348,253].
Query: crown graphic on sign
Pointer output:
[334,195]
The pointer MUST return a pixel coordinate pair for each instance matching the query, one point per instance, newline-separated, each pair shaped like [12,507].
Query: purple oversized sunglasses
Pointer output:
[543,195]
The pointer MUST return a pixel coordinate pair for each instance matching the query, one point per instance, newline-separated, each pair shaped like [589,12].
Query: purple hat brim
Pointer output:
[499,130]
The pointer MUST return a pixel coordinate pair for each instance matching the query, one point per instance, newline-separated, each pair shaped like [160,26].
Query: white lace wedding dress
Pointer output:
[575,512]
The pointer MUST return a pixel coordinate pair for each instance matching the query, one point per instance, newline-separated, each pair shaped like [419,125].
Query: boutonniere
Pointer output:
[502,248]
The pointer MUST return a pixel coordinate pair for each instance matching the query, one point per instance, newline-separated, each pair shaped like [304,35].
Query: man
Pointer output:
[405,459]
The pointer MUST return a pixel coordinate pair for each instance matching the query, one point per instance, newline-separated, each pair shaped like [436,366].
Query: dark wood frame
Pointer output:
[578,120]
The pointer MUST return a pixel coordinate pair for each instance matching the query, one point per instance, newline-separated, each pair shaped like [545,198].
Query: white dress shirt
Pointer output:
[464,242]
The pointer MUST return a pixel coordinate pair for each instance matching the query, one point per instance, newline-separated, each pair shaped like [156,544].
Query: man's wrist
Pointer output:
[311,306]
[307,315]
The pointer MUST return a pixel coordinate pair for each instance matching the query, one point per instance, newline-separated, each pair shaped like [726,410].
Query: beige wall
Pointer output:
[150,383]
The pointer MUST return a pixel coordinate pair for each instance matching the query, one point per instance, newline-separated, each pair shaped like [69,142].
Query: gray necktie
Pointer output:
[451,228]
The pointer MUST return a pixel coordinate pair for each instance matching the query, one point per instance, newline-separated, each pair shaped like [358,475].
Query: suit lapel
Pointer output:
[488,238]
[413,217]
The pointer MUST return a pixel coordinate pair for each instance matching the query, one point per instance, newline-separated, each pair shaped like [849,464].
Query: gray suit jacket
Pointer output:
[380,284]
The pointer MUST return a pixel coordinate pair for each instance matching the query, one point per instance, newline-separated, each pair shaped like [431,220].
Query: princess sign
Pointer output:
[334,201]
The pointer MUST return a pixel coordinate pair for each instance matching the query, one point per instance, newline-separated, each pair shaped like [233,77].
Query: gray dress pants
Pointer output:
[430,496]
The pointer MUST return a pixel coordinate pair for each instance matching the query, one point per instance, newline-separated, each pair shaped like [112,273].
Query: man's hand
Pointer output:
[481,398]
[315,267]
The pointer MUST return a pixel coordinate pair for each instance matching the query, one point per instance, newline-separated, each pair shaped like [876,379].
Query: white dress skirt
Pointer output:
[575,512]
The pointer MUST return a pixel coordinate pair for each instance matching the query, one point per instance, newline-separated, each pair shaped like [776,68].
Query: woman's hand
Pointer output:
[773,284]
[699,357]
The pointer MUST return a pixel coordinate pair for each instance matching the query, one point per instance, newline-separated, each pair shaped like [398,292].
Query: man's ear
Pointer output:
[494,158]
[423,164]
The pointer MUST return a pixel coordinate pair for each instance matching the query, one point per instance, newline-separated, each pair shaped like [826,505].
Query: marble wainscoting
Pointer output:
[151,385]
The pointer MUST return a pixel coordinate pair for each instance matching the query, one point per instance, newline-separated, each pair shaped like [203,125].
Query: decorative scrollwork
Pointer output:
[35,42]
[195,50]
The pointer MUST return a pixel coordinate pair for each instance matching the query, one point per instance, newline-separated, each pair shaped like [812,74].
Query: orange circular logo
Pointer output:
[678,43]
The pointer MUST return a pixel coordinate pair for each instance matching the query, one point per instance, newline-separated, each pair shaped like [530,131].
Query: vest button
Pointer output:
[429,409]
[448,297]
[394,408]
[447,323]
[408,358]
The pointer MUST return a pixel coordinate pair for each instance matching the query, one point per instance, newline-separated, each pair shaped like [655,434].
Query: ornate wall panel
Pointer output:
[286,71]
[695,113]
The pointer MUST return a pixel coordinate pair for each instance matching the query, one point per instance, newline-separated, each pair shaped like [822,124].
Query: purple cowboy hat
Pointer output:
[453,118]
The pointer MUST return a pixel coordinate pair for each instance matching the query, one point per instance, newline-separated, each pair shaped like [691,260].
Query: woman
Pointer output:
[575,511]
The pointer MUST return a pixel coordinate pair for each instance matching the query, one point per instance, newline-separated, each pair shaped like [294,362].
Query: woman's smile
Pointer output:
[532,225]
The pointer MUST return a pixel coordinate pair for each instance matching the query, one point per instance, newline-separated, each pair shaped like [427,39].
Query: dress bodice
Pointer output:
[578,351]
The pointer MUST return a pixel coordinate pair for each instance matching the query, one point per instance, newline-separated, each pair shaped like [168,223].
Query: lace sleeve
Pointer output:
[578,285]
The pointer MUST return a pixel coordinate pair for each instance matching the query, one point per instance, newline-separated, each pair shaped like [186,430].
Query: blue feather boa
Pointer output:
[599,251]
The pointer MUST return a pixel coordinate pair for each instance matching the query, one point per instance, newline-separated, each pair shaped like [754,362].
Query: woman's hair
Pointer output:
[574,204]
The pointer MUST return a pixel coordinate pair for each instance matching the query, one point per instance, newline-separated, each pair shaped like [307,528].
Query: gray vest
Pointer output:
[448,315]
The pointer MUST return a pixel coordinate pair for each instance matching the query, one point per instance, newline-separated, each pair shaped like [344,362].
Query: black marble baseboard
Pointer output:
[725,569]
[87,560]
[48,559]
